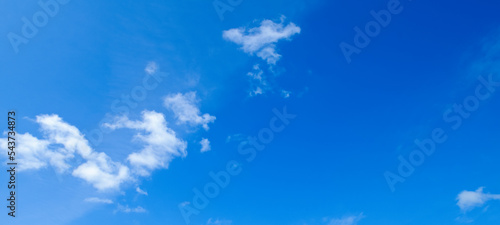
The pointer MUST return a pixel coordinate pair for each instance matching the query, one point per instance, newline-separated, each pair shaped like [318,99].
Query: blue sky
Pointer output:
[232,112]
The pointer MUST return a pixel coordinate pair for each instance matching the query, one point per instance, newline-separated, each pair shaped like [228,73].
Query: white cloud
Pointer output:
[63,142]
[205,145]
[186,110]
[99,169]
[64,145]
[468,200]
[140,191]
[127,209]
[257,74]
[98,200]
[66,149]
[212,221]
[151,68]
[262,40]
[59,132]
[103,174]
[33,153]
[161,142]
[347,220]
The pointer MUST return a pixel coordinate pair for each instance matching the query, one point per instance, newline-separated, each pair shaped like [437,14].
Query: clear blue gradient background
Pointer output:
[353,121]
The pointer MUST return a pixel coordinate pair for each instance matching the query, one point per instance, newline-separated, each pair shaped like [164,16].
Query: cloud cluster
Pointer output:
[262,40]
[66,149]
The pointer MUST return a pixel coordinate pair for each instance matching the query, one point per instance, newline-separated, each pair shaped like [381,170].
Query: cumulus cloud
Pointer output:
[262,40]
[161,142]
[186,110]
[468,200]
[67,137]
[205,145]
[103,173]
[98,200]
[347,220]
[34,153]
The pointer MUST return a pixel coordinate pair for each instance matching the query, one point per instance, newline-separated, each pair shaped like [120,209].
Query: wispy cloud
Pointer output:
[235,137]
[186,110]
[183,204]
[262,40]
[212,221]
[127,209]
[140,191]
[98,200]
[468,200]
[151,68]
[285,93]
[347,220]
